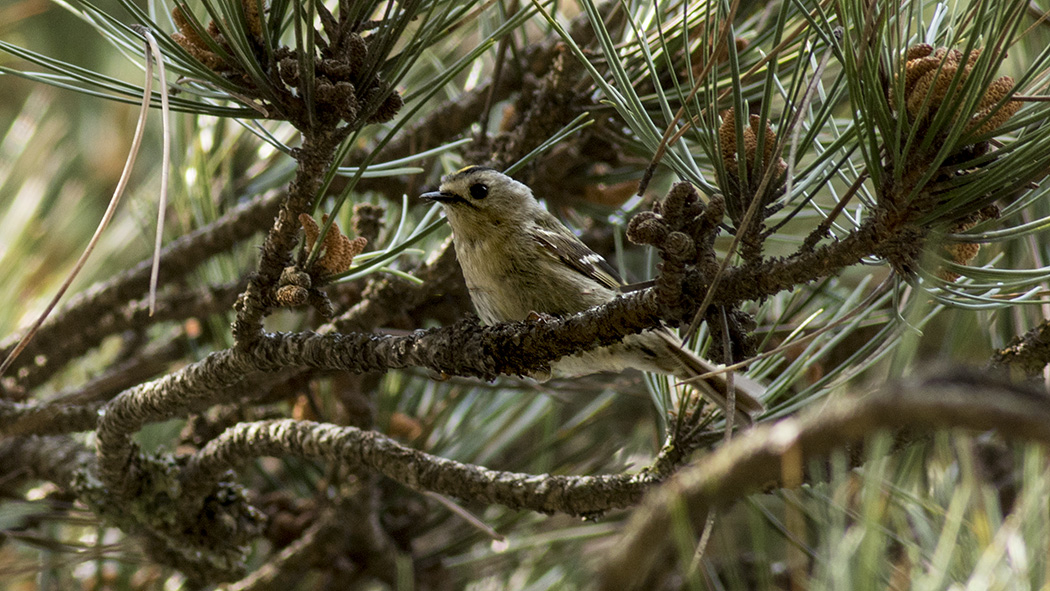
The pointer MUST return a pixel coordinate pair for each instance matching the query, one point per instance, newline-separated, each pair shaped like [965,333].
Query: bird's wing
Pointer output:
[578,256]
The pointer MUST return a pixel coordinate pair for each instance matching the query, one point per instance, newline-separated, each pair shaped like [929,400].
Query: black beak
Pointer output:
[441,197]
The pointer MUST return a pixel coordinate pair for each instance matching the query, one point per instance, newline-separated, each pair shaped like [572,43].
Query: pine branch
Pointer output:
[779,453]
[348,446]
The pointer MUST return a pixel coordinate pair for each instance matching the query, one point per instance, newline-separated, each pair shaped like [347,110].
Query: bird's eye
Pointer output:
[479,191]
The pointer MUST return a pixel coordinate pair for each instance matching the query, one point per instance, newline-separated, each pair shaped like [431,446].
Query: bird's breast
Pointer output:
[493,279]
[508,279]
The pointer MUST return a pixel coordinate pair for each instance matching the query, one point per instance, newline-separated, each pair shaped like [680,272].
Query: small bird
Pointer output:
[519,260]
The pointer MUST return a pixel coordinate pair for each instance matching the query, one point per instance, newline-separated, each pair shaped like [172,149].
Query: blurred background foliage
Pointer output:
[953,511]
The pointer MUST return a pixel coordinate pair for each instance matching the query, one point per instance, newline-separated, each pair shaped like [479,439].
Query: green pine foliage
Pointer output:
[883,145]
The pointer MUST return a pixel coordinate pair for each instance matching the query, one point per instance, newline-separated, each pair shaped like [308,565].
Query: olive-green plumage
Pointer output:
[517,258]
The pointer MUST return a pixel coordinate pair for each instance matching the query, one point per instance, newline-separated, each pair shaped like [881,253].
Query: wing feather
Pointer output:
[575,254]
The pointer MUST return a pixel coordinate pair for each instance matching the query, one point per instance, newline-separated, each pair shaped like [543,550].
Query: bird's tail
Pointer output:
[747,392]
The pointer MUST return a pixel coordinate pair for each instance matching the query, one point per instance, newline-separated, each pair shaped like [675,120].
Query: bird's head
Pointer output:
[479,199]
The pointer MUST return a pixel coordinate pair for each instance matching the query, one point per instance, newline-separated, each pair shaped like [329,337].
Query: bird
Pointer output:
[519,260]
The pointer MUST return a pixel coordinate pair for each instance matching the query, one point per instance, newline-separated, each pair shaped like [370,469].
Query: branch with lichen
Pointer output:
[484,352]
[133,487]
[259,299]
[463,349]
[56,459]
[466,349]
[779,453]
[573,495]
[1027,354]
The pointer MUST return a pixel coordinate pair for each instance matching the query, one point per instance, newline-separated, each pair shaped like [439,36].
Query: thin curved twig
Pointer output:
[352,447]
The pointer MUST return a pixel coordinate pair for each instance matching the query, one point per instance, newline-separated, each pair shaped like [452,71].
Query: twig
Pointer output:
[111,209]
[574,495]
[314,158]
[178,258]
